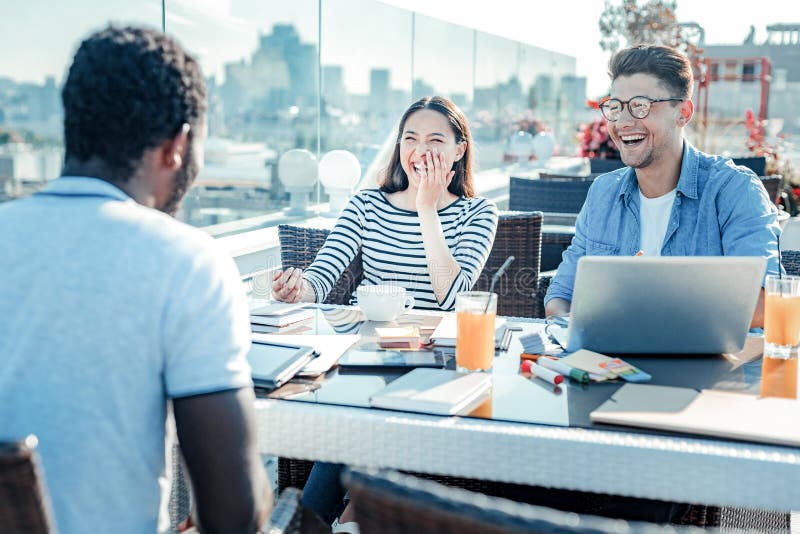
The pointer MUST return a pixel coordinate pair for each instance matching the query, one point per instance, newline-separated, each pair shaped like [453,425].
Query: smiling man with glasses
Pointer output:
[671,199]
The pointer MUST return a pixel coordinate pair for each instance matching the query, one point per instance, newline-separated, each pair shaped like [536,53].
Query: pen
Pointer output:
[541,372]
[557,365]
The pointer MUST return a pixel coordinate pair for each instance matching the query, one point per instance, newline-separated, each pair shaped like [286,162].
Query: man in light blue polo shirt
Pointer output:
[110,307]
[671,199]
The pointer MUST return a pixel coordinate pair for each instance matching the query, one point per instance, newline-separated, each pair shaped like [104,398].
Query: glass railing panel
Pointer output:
[366,79]
[261,64]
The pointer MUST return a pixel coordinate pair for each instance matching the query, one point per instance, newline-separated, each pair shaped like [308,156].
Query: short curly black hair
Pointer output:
[128,89]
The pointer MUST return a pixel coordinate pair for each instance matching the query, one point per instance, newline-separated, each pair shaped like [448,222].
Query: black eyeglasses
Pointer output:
[638,106]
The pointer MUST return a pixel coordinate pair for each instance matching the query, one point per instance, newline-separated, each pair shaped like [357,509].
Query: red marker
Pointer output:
[541,372]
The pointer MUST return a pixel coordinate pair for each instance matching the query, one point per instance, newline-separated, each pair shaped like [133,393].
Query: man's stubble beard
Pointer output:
[183,180]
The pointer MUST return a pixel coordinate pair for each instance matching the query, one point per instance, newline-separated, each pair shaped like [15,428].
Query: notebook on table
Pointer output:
[273,364]
[435,391]
[709,412]
[280,314]
[664,305]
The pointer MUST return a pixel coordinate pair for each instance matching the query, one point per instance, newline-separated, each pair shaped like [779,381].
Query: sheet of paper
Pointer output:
[329,347]
[446,330]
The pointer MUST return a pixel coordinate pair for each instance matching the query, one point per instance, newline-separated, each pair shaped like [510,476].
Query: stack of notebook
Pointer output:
[400,337]
[273,316]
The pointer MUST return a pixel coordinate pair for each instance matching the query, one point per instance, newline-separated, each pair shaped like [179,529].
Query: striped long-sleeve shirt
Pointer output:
[393,251]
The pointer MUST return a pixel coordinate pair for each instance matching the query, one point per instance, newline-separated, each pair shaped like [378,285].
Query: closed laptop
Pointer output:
[664,305]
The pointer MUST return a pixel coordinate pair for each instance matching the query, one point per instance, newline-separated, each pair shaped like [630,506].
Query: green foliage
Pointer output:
[629,23]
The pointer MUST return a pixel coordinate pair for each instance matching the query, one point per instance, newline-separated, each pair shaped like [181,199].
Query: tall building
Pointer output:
[379,90]
[421,88]
[544,92]
[333,86]
[573,91]
[300,58]
[281,73]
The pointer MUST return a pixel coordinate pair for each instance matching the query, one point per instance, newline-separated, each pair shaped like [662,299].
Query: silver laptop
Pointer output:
[665,305]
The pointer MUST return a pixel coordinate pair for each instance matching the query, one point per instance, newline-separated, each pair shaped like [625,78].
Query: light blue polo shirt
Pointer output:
[719,210]
[108,309]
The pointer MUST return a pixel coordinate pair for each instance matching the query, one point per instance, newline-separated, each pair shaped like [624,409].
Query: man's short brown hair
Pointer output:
[672,68]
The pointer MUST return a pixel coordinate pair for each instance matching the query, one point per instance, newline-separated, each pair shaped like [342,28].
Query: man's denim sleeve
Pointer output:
[564,280]
[748,220]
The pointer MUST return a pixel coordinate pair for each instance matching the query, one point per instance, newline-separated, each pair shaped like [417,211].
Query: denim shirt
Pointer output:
[720,209]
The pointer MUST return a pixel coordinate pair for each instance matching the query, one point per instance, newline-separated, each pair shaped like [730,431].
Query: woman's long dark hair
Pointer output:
[394,177]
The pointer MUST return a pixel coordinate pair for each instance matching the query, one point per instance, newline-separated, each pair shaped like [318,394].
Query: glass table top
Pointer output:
[514,397]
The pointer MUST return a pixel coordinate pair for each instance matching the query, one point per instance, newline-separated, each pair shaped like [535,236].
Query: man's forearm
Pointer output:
[217,434]
[558,307]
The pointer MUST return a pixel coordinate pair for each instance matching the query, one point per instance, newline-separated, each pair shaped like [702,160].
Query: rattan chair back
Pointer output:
[388,502]
[519,234]
[790,259]
[773,184]
[597,165]
[560,196]
[299,247]
[549,176]
[24,501]
[290,517]
[757,164]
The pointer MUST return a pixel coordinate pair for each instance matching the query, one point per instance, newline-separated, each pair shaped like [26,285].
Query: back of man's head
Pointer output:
[672,68]
[128,90]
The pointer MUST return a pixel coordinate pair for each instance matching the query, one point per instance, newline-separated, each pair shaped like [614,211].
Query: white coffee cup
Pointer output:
[383,302]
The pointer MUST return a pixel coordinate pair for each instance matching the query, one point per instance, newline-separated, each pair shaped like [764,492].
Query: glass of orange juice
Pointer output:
[781,336]
[475,313]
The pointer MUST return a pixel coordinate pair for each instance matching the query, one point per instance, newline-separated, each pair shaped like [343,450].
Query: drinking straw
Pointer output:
[495,278]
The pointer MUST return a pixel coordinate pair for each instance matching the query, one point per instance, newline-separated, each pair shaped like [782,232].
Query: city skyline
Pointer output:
[198,24]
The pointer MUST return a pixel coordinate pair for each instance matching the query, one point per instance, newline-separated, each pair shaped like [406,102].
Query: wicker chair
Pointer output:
[790,259]
[773,184]
[24,502]
[519,234]
[548,176]
[289,517]
[389,502]
[756,164]
[299,247]
[605,165]
[560,196]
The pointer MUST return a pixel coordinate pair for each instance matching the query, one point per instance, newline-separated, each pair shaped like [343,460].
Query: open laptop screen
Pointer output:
[664,305]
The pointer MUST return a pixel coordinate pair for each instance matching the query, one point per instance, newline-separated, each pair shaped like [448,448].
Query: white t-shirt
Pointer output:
[109,308]
[654,215]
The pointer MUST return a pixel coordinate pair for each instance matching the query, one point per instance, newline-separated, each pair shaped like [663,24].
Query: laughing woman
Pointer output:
[424,229]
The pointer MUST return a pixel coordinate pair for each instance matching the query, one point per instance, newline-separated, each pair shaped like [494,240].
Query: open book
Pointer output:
[435,391]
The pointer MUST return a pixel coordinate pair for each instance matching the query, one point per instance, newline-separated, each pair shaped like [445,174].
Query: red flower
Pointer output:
[595,141]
